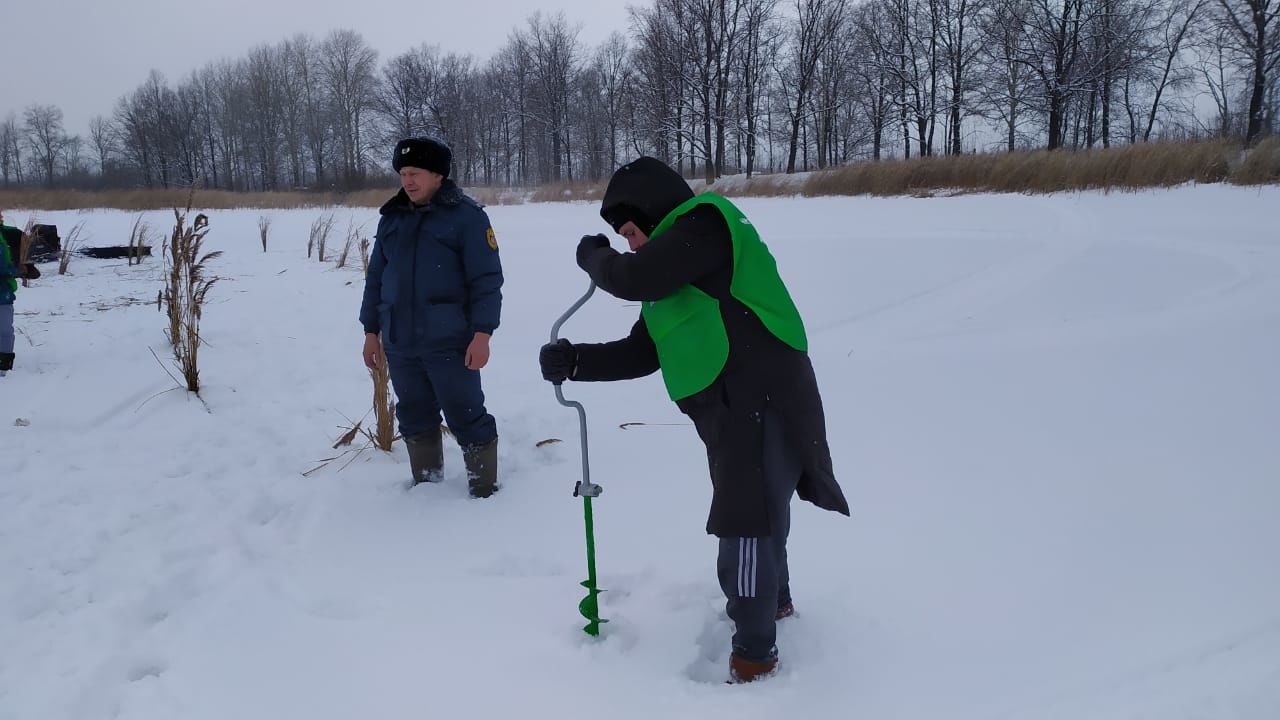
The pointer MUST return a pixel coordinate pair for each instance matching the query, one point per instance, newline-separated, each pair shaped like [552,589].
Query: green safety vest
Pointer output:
[686,326]
[9,283]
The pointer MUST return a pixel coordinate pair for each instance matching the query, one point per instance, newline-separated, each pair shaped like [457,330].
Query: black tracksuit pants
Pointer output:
[753,571]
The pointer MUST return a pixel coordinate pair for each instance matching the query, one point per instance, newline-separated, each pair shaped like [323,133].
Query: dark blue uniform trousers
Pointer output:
[753,571]
[431,383]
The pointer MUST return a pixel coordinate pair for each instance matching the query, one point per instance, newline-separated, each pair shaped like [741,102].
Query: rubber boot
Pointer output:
[426,456]
[745,671]
[482,468]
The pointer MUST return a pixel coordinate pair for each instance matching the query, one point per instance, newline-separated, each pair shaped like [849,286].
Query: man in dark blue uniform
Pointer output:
[432,299]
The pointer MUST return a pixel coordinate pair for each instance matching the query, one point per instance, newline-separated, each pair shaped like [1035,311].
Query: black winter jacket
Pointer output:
[761,371]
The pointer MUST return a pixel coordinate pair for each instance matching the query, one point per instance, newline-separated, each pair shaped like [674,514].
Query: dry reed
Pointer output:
[319,237]
[138,238]
[264,229]
[384,404]
[353,236]
[24,247]
[187,287]
[69,246]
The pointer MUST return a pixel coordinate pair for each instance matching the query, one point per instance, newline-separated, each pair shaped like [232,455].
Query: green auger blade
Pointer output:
[590,609]
[590,605]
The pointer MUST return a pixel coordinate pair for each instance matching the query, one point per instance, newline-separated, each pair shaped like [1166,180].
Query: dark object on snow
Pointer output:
[111,252]
[45,243]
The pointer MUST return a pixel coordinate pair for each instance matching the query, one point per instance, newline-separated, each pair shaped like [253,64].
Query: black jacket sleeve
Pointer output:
[631,357]
[695,246]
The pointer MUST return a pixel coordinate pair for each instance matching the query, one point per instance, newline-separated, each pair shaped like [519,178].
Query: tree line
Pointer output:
[713,86]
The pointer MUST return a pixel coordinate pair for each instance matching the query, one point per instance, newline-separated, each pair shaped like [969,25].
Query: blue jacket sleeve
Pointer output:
[483,270]
[373,286]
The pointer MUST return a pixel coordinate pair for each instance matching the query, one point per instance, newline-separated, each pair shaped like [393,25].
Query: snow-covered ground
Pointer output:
[1057,419]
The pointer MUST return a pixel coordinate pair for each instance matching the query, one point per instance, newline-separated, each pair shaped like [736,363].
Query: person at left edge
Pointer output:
[432,300]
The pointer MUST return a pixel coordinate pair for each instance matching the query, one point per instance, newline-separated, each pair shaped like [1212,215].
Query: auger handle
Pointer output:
[585,487]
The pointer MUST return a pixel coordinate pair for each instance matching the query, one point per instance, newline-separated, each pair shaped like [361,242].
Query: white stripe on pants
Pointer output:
[748,558]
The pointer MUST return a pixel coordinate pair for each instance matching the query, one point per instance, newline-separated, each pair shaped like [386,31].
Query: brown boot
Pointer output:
[426,456]
[745,671]
[482,468]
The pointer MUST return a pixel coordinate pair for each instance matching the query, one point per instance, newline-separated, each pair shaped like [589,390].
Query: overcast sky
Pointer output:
[82,55]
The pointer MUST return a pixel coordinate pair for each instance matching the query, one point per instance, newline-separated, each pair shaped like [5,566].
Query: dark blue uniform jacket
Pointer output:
[434,278]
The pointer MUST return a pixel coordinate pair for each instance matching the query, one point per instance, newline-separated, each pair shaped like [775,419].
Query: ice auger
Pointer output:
[590,605]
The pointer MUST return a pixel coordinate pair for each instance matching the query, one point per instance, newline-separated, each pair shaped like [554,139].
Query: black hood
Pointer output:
[643,191]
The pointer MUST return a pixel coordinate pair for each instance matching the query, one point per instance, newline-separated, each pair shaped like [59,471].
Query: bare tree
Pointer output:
[1175,28]
[817,22]
[554,54]
[759,44]
[304,72]
[1250,32]
[45,136]
[615,83]
[511,70]
[10,150]
[347,66]
[292,103]
[102,134]
[1215,65]
[661,61]
[872,82]
[265,77]
[1053,50]
[407,93]
[961,46]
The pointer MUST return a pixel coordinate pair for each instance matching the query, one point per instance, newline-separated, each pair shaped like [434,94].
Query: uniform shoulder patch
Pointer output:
[493,239]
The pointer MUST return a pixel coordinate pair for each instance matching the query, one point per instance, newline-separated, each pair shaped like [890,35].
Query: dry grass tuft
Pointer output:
[384,405]
[187,286]
[364,256]
[139,241]
[320,229]
[264,229]
[562,192]
[368,198]
[1130,167]
[24,247]
[69,246]
[353,238]
[1261,165]
[161,199]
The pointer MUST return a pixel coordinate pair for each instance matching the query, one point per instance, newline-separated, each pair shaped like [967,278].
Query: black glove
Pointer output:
[587,247]
[558,360]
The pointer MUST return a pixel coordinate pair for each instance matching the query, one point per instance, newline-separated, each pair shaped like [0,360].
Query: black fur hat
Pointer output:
[427,153]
